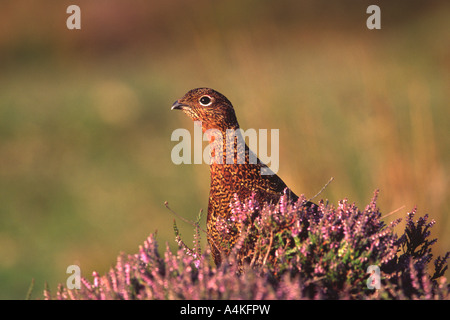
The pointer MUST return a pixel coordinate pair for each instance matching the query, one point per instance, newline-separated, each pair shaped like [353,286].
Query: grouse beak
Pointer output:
[178,105]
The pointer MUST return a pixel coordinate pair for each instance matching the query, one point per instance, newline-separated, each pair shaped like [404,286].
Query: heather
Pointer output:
[298,253]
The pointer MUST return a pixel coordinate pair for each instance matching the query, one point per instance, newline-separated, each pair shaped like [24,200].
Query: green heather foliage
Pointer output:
[299,253]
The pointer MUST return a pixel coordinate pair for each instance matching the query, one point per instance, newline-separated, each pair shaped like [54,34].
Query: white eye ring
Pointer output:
[205,100]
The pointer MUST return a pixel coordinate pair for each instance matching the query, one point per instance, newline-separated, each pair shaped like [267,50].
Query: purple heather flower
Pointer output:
[96,279]
[298,253]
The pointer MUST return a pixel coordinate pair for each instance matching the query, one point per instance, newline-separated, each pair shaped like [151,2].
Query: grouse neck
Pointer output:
[228,147]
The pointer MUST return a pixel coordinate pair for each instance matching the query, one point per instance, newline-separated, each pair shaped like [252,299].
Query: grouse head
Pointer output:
[210,107]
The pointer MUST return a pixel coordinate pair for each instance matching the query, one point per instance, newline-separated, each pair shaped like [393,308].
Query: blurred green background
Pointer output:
[85,120]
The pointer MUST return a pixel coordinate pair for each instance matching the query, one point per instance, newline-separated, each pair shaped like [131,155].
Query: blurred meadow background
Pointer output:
[85,119]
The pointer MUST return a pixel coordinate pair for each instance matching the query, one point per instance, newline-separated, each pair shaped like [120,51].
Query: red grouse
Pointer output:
[241,176]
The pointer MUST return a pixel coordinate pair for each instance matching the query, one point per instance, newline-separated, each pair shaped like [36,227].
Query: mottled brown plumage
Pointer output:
[215,111]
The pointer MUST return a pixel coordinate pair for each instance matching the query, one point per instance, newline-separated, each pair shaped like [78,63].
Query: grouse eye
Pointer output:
[205,101]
